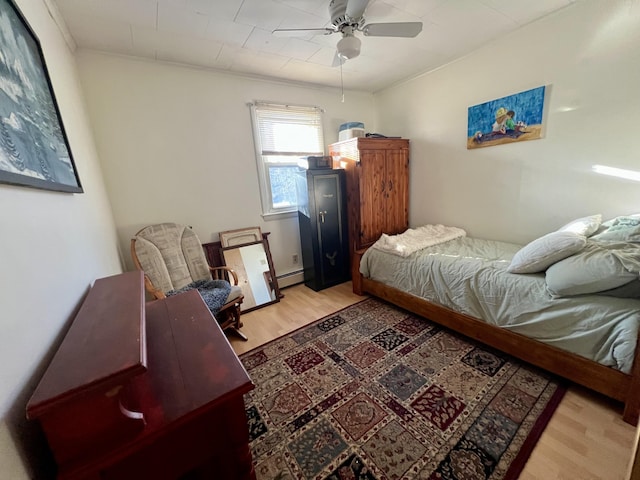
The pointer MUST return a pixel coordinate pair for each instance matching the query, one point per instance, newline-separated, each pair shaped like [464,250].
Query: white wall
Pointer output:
[587,55]
[176,145]
[52,247]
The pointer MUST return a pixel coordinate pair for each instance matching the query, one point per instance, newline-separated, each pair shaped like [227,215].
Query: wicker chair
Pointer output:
[172,259]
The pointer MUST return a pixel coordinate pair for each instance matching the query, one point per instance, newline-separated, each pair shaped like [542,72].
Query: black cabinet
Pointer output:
[322,219]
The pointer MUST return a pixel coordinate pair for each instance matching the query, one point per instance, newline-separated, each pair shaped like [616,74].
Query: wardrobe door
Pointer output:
[397,191]
[373,201]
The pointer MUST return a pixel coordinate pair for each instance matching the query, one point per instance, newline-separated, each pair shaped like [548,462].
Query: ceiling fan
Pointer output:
[347,18]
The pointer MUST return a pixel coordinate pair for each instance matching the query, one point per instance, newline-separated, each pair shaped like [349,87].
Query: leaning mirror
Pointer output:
[255,273]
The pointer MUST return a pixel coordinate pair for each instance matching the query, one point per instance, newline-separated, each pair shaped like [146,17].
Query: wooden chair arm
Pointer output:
[218,273]
[148,285]
[158,294]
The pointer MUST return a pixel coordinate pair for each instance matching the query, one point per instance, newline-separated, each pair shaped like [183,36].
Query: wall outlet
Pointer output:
[294,258]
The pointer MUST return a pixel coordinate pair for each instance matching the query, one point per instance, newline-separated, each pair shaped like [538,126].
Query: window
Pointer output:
[283,134]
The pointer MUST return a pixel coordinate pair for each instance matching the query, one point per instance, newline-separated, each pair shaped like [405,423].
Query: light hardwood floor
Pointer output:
[585,440]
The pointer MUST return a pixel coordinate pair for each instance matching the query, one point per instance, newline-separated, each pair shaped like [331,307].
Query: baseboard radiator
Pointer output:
[291,278]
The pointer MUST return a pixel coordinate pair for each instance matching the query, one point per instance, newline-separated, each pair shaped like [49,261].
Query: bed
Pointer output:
[568,302]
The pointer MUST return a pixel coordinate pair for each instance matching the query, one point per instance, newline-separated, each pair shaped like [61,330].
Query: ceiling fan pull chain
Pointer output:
[341,83]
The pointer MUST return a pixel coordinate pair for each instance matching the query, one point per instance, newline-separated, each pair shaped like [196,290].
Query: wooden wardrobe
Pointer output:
[377,187]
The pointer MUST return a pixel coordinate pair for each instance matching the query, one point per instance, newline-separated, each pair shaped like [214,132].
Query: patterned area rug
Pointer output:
[375,392]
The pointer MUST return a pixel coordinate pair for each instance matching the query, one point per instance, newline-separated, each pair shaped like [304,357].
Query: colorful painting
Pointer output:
[514,118]
[34,151]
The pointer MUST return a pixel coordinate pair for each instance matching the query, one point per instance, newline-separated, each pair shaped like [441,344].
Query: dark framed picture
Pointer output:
[34,149]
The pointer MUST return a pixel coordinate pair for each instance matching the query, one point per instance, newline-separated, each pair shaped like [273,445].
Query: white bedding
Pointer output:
[415,239]
[469,276]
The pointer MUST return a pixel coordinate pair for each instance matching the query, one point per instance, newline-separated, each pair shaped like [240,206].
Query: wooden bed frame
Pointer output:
[606,380]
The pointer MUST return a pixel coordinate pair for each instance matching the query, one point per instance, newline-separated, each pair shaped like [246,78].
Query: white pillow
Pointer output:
[583,226]
[593,270]
[545,251]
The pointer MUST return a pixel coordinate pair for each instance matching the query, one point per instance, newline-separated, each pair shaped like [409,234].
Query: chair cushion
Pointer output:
[171,256]
[214,292]
[236,292]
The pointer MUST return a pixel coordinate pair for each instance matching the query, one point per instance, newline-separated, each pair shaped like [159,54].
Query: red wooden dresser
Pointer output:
[144,390]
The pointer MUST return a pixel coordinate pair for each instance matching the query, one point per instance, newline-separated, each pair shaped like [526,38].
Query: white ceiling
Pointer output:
[235,35]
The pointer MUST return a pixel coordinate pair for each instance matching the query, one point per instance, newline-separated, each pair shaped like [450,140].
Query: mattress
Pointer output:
[469,275]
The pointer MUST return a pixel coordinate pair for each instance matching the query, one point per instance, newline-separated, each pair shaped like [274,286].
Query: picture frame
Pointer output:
[34,148]
[514,118]
[240,236]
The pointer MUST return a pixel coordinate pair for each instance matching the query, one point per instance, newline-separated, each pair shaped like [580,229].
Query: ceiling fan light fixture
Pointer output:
[349,46]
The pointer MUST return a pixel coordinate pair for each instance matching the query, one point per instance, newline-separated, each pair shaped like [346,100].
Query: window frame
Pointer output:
[260,109]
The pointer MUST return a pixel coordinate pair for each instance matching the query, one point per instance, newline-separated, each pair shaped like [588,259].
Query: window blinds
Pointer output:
[289,130]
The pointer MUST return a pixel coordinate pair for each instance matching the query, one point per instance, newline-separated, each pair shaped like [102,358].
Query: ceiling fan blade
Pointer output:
[355,9]
[299,32]
[399,29]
